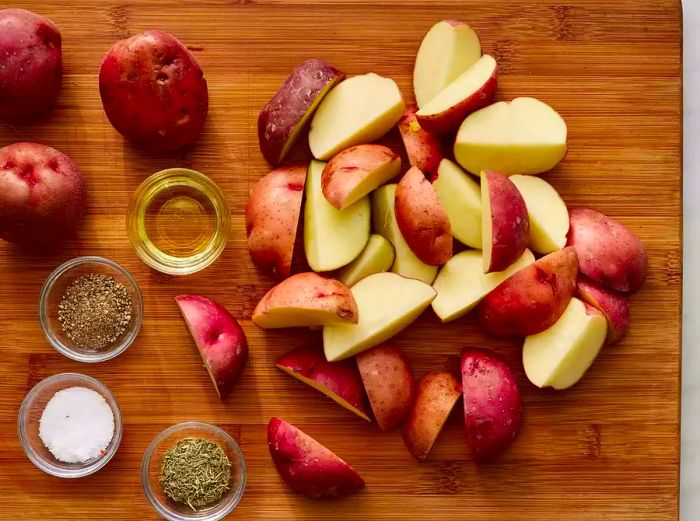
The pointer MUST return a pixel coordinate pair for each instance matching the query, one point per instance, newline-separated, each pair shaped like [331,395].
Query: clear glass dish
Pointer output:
[178,221]
[151,467]
[53,291]
[28,425]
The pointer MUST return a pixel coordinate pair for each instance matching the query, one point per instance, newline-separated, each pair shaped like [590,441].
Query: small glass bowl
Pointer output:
[53,291]
[151,467]
[185,211]
[28,425]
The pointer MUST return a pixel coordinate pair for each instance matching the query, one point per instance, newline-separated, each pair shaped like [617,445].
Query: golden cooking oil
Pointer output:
[178,221]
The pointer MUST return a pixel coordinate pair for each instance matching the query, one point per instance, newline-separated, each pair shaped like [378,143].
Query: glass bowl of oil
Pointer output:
[178,221]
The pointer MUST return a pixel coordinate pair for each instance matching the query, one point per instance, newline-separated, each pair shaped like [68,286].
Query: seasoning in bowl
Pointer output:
[95,311]
[195,472]
[77,425]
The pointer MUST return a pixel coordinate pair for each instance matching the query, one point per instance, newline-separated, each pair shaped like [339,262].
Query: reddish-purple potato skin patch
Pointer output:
[292,105]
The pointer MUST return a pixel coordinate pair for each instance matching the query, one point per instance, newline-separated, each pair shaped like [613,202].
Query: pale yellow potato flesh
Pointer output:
[559,356]
[523,136]
[460,196]
[447,49]
[358,110]
[462,283]
[387,303]
[332,237]
[464,85]
[384,223]
[377,257]
[549,217]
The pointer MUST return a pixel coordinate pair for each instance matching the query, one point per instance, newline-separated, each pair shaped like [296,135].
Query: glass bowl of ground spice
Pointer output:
[90,309]
[69,425]
[193,471]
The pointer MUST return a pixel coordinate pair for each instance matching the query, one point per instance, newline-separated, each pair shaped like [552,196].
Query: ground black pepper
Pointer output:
[95,311]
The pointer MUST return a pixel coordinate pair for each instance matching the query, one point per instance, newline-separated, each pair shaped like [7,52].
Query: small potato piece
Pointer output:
[533,299]
[492,404]
[42,195]
[422,219]
[307,466]
[305,300]
[356,171]
[153,91]
[424,149]
[460,194]
[608,252]
[389,384]
[505,227]
[611,304]
[31,67]
[377,257]
[272,217]
[436,395]
[283,117]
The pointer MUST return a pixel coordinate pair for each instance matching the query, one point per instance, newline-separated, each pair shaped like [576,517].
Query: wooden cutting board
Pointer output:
[608,449]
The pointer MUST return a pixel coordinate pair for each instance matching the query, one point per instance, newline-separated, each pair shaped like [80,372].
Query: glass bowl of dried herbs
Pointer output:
[193,471]
[90,309]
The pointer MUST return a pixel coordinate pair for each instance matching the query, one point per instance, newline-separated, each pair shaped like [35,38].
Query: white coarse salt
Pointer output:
[76,425]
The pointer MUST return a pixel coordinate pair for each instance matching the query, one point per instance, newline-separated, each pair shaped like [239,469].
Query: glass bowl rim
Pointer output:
[62,348]
[226,508]
[223,219]
[49,468]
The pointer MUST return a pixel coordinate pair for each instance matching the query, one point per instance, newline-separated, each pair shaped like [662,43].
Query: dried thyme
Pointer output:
[95,311]
[195,472]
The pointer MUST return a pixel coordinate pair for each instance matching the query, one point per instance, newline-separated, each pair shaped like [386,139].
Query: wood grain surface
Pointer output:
[607,449]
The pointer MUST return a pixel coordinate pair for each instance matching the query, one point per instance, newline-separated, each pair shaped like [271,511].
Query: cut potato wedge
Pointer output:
[559,356]
[549,217]
[387,303]
[523,136]
[359,110]
[472,90]
[462,283]
[305,300]
[377,257]
[406,263]
[460,196]
[332,237]
[448,48]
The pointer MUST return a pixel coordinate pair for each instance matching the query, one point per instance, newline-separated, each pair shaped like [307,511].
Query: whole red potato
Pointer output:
[153,91]
[42,195]
[30,64]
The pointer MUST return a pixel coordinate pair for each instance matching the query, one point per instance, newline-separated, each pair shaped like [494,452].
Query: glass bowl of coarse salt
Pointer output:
[90,309]
[70,425]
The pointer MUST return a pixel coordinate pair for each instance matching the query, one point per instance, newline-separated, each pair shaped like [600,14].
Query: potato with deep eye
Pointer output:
[153,91]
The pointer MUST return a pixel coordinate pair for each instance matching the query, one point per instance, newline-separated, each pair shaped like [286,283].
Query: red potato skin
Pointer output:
[31,66]
[510,225]
[307,466]
[492,403]
[389,383]
[153,91]
[272,217]
[449,120]
[341,378]
[349,167]
[532,299]
[613,305]
[422,219]
[424,149]
[227,347]
[436,395]
[42,195]
[300,93]
[608,252]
